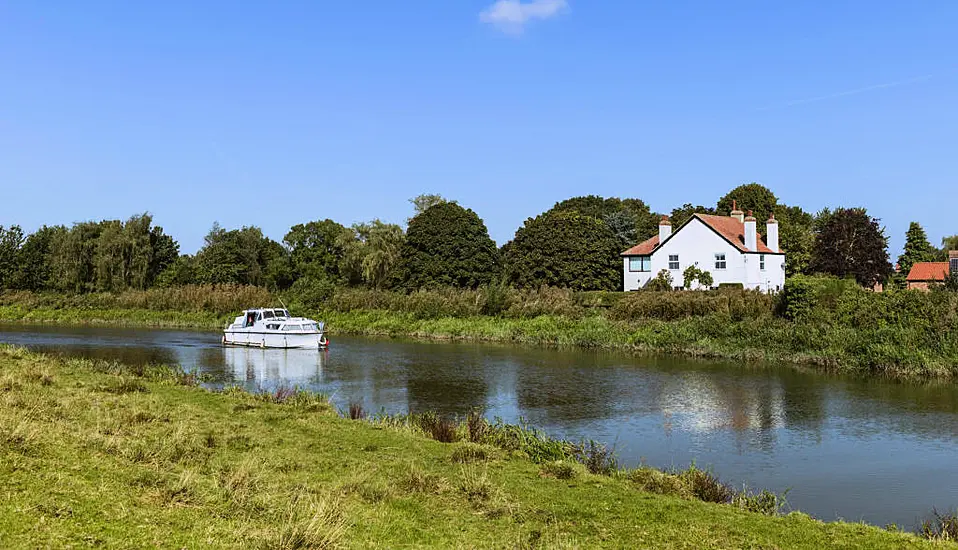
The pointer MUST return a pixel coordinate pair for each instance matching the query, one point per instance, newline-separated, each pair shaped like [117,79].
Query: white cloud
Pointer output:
[512,15]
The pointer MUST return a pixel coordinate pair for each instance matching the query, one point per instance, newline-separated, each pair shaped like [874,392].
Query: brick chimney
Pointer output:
[736,213]
[953,261]
[771,233]
[665,229]
[751,232]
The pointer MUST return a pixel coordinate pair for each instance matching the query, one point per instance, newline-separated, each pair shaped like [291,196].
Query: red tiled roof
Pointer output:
[728,227]
[734,231]
[643,248]
[928,271]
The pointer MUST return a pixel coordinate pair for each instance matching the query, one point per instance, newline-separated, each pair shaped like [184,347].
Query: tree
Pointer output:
[683,213]
[10,242]
[630,219]
[166,251]
[447,245]
[316,249]
[72,257]
[181,272]
[852,244]
[370,252]
[424,202]
[950,243]
[796,237]
[33,263]
[242,256]
[751,196]
[917,249]
[564,249]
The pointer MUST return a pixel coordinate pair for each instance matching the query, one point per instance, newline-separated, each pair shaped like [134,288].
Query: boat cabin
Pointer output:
[272,319]
[251,316]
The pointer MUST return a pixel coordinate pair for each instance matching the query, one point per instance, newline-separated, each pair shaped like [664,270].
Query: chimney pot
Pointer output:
[665,221]
[736,213]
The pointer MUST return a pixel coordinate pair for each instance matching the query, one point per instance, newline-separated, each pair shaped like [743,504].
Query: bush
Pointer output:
[798,298]
[661,283]
[671,306]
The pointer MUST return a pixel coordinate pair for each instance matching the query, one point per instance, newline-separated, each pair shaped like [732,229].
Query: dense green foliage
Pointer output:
[630,219]
[316,249]
[750,197]
[683,213]
[447,245]
[851,243]
[564,249]
[100,453]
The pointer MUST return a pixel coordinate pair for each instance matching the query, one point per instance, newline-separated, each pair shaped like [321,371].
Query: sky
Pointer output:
[278,113]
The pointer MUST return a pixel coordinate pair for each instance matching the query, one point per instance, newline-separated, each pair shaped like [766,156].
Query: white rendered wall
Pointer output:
[696,244]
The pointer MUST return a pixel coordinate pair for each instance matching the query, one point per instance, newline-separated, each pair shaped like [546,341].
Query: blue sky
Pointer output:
[278,113]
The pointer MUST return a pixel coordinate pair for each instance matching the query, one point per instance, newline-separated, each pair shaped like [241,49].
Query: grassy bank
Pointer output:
[824,322]
[94,453]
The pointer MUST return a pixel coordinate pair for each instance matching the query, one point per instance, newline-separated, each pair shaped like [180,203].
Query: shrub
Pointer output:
[661,283]
[798,298]
[671,306]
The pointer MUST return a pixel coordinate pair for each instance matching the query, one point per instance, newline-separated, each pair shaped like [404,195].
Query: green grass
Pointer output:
[98,454]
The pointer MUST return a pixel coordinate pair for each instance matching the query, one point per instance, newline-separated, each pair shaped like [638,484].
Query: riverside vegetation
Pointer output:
[821,321]
[98,453]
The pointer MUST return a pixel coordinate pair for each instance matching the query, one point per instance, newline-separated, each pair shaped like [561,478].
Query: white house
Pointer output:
[729,247]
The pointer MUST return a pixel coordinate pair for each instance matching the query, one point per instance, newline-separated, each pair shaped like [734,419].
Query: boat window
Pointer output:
[268,314]
[272,327]
[309,326]
[259,316]
[283,313]
[293,327]
[250,319]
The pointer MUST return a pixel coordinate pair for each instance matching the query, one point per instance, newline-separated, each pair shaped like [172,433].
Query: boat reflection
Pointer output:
[256,369]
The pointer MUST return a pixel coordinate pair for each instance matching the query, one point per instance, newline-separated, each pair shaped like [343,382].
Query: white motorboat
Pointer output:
[275,328]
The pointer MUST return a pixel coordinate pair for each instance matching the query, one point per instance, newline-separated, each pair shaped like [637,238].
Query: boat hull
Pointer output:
[280,340]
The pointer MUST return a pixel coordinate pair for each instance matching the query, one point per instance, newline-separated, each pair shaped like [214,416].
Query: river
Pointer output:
[847,448]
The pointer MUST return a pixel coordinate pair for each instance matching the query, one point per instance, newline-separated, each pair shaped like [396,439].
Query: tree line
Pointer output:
[575,244]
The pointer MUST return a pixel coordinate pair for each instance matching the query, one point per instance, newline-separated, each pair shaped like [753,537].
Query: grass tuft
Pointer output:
[356,412]
[465,453]
[311,523]
[941,526]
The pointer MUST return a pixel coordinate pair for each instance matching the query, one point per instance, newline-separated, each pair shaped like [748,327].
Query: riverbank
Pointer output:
[833,348]
[98,453]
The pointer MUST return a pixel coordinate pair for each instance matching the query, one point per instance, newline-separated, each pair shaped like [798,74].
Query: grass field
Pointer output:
[98,454]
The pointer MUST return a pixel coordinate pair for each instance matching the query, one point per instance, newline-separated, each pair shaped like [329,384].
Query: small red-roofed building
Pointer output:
[924,275]
[728,247]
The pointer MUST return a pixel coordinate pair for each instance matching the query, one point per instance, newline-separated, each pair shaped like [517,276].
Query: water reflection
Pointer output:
[844,445]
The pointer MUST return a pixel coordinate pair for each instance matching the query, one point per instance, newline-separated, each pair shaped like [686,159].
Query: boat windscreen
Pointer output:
[267,314]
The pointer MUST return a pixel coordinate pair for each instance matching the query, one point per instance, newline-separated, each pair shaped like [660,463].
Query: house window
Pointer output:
[674,262]
[720,262]
[954,265]
[761,262]
[641,264]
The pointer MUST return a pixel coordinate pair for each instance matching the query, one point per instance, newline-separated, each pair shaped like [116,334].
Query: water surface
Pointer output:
[858,449]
